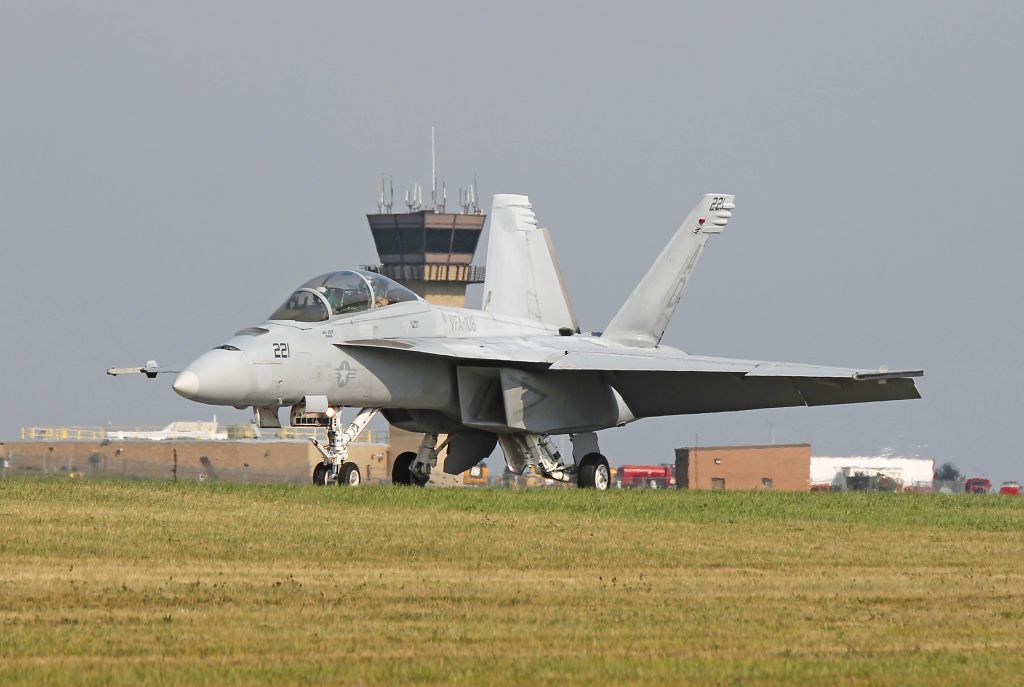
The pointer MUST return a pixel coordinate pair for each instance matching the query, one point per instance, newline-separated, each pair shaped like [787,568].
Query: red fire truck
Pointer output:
[646,476]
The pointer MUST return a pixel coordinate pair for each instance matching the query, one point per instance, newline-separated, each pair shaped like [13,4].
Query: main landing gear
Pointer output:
[413,469]
[335,467]
[587,467]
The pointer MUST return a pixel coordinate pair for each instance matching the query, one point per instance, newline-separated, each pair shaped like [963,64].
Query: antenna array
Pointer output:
[468,201]
[384,204]
[414,200]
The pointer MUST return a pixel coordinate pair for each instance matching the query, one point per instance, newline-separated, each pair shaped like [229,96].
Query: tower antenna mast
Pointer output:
[433,172]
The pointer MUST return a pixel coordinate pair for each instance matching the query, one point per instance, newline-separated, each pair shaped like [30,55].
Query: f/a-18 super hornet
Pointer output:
[513,373]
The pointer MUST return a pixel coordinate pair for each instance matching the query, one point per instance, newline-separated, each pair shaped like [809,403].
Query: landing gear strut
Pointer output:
[335,468]
[414,468]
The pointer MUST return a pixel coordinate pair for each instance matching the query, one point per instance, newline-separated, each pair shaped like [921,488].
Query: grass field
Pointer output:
[160,583]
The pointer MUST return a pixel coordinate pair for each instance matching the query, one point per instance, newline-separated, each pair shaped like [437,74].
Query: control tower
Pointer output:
[427,249]
[430,250]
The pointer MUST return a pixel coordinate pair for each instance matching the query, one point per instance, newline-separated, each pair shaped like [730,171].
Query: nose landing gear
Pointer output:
[335,467]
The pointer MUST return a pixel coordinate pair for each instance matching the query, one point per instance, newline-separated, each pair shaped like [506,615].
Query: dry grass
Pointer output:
[156,583]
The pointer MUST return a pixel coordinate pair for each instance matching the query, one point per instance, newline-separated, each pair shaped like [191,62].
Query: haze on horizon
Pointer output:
[170,172]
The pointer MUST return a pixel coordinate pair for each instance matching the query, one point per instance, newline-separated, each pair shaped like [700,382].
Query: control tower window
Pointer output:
[439,240]
[464,241]
[411,238]
[302,306]
[387,241]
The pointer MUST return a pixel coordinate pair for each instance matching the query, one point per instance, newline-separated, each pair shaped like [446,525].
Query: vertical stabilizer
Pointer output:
[643,318]
[523,279]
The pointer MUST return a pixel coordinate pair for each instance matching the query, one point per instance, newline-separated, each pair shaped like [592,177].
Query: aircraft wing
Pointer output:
[656,382]
[678,385]
[628,361]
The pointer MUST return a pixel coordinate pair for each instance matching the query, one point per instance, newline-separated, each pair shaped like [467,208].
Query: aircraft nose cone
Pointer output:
[186,384]
[217,377]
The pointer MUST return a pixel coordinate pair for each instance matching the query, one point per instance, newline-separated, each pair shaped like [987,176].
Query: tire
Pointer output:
[594,473]
[350,475]
[400,472]
[320,473]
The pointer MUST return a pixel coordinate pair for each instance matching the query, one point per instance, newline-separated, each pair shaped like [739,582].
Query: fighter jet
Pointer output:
[514,373]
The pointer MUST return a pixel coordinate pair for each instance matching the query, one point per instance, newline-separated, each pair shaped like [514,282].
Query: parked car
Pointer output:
[1011,488]
[977,485]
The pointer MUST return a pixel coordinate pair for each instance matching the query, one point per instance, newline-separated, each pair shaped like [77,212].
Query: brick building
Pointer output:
[223,461]
[780,467]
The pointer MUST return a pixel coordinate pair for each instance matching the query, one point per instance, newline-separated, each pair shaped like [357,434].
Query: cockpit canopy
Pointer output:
[341,293]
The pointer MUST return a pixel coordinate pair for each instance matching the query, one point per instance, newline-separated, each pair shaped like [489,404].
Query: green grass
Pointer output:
[159,583]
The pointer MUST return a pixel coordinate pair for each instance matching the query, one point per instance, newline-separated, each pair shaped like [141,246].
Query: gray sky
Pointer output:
[169,172]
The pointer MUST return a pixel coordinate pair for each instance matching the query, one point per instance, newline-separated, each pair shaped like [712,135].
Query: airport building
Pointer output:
[791,467]
[777,467]
[87,453]
[837,473]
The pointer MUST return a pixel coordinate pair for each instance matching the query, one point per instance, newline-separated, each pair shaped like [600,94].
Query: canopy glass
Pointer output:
[341,293]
